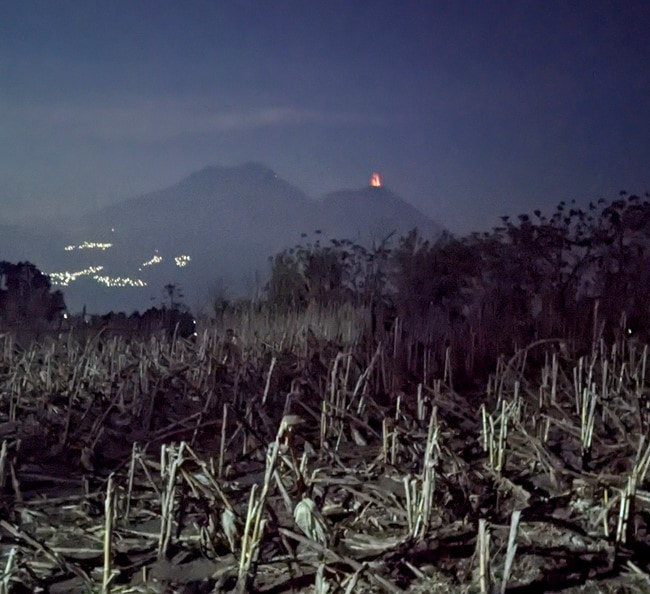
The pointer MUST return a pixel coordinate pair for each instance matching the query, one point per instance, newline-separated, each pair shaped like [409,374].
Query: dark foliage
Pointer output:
[26,295]
[342,272]
[575,274]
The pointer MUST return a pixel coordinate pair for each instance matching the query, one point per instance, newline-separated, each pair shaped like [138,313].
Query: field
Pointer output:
[298,452]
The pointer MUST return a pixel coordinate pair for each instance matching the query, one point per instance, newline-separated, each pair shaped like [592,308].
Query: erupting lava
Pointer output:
[375,181]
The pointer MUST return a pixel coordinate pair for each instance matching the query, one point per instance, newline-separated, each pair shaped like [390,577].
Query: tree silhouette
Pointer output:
[174,293]
[25,294]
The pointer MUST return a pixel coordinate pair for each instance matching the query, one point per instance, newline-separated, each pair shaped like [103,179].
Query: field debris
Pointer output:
[277,457]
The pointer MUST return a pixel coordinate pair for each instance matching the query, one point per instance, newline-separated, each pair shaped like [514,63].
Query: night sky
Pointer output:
[470,110]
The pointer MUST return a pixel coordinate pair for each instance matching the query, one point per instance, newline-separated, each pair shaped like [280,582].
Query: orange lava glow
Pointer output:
[375,180]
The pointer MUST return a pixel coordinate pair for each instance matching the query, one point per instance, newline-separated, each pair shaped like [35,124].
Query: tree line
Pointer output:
[580,274]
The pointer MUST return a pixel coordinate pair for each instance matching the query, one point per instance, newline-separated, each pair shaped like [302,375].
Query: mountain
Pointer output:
[228,220]
[217,226]
[216,200]
[372,213]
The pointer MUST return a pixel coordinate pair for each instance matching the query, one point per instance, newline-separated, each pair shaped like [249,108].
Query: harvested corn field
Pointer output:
[292,453]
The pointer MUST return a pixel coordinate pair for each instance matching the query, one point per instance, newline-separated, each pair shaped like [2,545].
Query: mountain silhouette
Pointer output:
[229,201]
[372,213]
[228,220]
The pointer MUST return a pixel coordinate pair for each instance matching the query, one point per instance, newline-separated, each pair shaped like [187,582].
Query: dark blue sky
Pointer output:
[469,109]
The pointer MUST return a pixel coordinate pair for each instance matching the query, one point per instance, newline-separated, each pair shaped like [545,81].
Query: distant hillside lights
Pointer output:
[63,279]
[154,260]
[375,180]
[118,281]
[182,260]
[89,245]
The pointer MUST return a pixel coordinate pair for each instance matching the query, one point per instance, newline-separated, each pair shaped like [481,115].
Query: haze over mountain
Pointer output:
[214,229]
[371,213]
[36,243]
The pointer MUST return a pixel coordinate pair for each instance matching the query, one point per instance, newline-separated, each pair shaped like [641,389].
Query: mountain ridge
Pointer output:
[223,223]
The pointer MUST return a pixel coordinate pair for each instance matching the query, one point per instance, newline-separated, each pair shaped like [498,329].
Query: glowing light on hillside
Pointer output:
[118,281]
[153,261]
[182,260]
[89,245]
[375,180]
[63,279]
